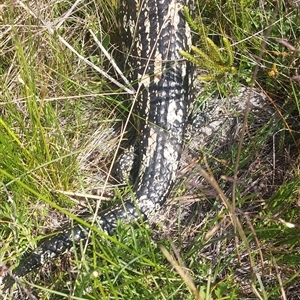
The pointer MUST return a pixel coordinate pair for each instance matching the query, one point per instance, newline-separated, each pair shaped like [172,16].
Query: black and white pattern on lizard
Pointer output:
[161,104]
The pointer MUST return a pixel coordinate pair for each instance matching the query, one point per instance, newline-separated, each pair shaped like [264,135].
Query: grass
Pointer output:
[61,123]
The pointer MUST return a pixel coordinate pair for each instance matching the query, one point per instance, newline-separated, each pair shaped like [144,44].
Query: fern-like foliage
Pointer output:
[208,56]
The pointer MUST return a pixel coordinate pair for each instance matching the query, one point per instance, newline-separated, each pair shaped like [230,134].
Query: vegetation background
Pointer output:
[62,120]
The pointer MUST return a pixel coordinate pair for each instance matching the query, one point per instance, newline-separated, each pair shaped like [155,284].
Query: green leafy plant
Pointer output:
[209,56]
